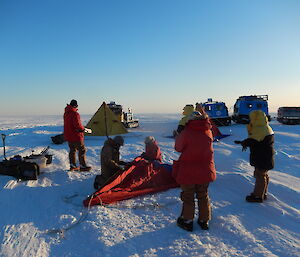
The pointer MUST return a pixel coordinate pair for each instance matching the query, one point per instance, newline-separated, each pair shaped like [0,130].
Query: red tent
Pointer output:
[141,178]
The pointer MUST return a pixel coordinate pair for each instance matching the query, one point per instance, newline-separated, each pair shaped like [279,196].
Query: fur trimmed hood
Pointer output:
[258,128]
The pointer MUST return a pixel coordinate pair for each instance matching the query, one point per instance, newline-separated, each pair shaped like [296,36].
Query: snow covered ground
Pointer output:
[46,217]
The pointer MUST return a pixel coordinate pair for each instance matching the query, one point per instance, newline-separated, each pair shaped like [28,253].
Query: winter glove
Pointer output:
[175,133]
[121,169]
[244,146]
[241,143]
[122,163]
[87,130]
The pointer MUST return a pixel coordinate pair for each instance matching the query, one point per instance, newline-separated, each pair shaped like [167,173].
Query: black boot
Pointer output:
[203,224]
[182,223]
[254,199]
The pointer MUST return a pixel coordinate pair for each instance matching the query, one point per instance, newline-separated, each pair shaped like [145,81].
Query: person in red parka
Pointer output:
[74,134]
[152,150]
[195,169]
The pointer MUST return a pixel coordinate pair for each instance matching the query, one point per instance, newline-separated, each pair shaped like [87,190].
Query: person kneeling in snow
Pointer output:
[152,150]
[110,160]
[194,170]
[261,142]
[153,153]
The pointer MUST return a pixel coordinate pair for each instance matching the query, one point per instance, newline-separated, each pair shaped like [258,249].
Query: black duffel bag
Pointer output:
[58,139]
[20,169]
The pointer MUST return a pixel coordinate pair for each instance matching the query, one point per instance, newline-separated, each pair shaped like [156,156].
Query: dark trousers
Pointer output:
[261,182]
[74,147]
[188,198]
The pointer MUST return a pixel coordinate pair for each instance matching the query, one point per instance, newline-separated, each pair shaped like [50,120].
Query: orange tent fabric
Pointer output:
[141,178]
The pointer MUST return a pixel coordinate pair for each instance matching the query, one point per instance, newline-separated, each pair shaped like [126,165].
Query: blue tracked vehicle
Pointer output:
[245,104]
[217,111]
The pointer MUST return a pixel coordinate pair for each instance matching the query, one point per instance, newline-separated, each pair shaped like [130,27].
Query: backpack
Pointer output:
[58,139]
[20,169]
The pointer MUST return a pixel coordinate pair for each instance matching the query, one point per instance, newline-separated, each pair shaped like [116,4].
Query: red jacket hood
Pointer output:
[70,108]
[200,125]
[196,161]
[73,128]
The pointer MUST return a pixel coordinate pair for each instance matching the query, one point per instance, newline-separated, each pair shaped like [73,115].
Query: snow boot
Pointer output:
[74,168]
[253,199]
[203,224]
[184,224]
[85,168]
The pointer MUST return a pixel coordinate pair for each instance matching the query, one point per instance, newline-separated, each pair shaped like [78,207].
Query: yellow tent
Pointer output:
[105,123]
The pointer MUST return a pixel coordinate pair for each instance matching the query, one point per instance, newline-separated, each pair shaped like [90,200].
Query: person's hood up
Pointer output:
[111,143]
[200,125]
[188,109]
[258,128]
[70,108]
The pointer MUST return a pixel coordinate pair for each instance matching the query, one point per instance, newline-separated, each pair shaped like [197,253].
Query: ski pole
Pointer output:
[3,140]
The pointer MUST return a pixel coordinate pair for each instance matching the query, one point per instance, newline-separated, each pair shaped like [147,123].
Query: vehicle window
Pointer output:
[207,108]
[219,107]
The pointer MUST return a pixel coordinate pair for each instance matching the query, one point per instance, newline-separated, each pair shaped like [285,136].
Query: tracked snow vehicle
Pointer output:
[288,115]
[245,104]
[217,111]
[126,118]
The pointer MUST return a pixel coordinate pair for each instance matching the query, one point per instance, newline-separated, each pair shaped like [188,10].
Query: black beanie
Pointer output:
[74,103]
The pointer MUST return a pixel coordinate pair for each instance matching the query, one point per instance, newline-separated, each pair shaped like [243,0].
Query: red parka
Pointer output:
[152,152]
[73,129]
[196,162]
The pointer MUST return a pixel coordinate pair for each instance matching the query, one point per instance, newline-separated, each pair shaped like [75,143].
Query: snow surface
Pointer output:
[46,217]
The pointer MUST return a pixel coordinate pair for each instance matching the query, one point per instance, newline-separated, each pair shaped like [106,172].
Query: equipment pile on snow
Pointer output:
[42,159]
[27,168]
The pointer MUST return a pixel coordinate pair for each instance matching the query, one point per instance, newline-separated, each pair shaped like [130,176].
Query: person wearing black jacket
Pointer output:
[261,143]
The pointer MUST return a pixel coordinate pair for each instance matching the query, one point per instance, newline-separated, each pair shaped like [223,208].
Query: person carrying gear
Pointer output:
[110,160]
[73,134]
[261,143]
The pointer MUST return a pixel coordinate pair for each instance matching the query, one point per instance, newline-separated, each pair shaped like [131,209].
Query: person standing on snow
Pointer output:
[261,142]
[187,110]
[195,169]
[152,150]
[74,134]
[110,161]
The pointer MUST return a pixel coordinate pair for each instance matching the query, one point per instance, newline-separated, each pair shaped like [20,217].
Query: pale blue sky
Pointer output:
[151,55]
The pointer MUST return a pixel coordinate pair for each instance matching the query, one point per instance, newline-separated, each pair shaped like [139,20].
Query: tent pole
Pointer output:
[105,120]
